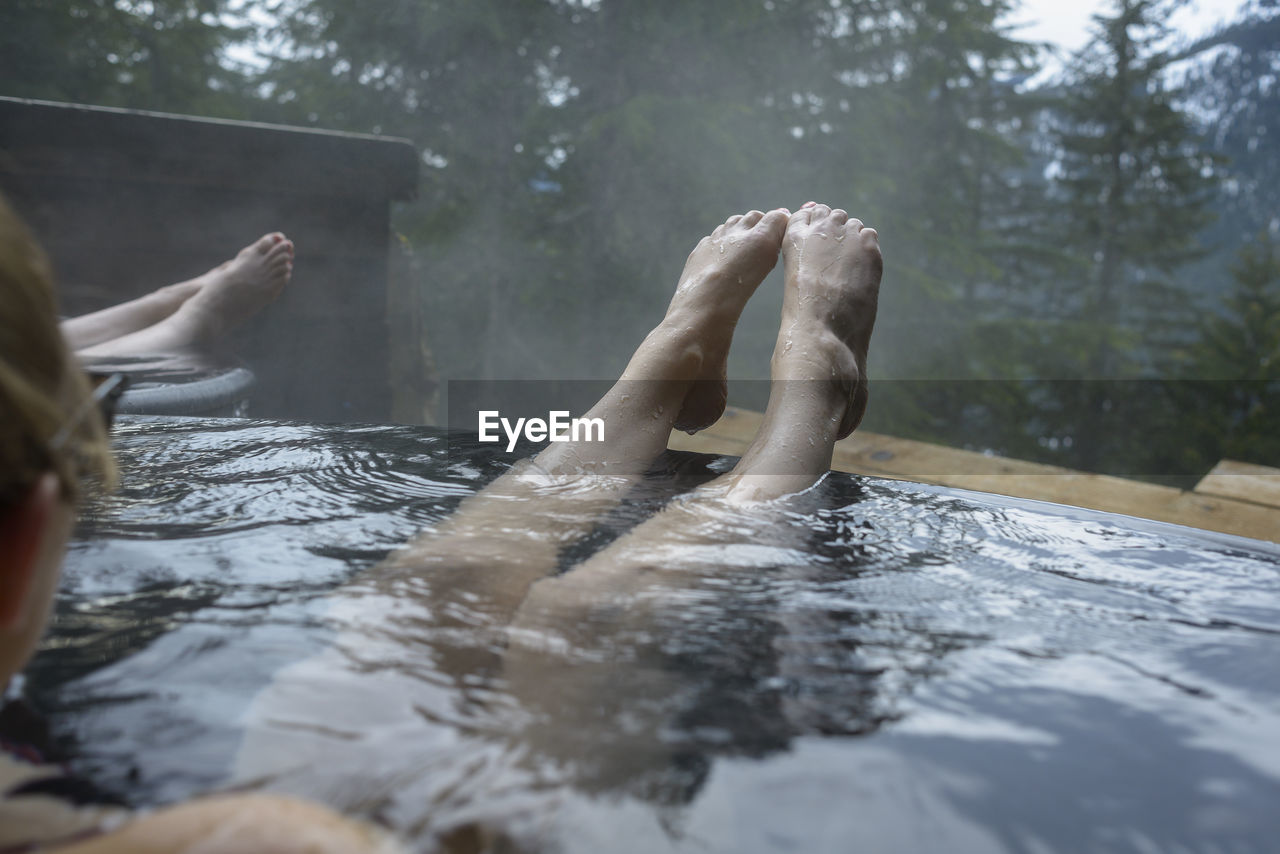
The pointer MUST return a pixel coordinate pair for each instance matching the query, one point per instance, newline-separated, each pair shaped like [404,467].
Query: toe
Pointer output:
[264,243]
[283,249]
[839,215]
[819,211]
[731,220]
[750,218]
[870,242]
[775,222]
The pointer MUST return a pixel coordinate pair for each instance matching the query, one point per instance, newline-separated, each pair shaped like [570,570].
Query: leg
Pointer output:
[124,318]
[502,540]
[190,313]
[818,395]
[440,605]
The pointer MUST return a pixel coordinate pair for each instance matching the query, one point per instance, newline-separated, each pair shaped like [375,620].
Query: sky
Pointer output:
[1065,22]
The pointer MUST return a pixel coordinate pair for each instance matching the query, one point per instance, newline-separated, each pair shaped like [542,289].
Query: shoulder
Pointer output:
[39,805]
[243,824]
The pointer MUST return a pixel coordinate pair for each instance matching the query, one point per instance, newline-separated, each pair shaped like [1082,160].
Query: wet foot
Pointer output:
[832,269]
[237,289]
[692,341]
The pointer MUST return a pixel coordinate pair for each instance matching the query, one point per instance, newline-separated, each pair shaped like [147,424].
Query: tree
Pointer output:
[671,124]
[464,82]
[1238,362]
[929,96]
[1134,184]
[166,55]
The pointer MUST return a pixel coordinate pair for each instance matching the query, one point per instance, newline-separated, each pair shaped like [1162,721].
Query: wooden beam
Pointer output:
[909,460]
[1243,482]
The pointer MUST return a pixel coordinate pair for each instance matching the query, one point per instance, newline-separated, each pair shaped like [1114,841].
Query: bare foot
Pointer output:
[207,306]
[833,266]
[721,274]
[237,289]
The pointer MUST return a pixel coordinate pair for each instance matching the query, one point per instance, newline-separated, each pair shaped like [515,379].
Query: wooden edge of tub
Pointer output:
[1235,498]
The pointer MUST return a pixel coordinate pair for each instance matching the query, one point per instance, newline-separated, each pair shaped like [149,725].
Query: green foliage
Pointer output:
[1237,359]
[1132,187]
[165,55]
[1134,179]
[574,151]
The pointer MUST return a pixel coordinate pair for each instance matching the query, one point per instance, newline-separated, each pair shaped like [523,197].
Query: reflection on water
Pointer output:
[870,667]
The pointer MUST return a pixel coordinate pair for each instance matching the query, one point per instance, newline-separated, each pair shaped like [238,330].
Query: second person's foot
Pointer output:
[237,289]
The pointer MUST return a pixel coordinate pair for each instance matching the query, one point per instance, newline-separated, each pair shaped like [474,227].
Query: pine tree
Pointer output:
[165,55]
[464,82]
[1238,358]
[1134,183]
[922,100]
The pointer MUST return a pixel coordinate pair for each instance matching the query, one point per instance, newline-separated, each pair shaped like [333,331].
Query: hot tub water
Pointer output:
[874,667]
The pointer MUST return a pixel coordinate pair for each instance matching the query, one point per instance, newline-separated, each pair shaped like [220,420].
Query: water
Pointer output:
[871,667]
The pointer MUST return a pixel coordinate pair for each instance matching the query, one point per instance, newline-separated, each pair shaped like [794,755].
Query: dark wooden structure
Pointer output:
[126,201]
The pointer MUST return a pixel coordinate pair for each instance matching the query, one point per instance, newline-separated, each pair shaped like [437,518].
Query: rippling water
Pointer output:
[869,667]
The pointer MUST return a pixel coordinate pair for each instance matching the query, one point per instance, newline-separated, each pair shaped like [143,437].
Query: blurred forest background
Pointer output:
[1082,264]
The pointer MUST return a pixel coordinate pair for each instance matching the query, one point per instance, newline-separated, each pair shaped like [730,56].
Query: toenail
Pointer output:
[786,211]
[808,204]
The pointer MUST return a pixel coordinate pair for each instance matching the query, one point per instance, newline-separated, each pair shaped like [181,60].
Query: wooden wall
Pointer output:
[126,201]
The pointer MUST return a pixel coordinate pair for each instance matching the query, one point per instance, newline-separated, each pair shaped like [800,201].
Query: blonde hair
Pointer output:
[41,384]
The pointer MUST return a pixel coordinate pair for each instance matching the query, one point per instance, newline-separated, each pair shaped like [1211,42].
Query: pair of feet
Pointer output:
[832,264]
[189,314]
[832,268]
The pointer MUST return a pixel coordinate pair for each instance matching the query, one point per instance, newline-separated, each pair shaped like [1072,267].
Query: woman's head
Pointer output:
[42,392]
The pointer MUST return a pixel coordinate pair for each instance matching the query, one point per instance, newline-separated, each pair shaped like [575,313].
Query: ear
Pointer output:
[24,527]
